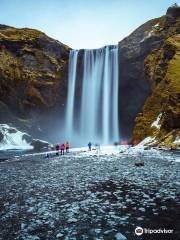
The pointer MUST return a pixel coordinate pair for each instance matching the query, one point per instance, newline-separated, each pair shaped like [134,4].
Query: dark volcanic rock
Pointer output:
[84,196]
[1,136]
[134,86]
[39,144]
[173,12]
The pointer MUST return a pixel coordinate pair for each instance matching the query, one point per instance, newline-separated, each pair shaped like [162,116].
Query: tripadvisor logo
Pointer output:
[139,231]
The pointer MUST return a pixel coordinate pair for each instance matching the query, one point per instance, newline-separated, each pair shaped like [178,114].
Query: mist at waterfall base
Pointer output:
[91,111]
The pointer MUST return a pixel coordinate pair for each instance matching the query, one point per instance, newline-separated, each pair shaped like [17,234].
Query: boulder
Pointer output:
[139,164]
[1,136]
[39,145]
[173,11]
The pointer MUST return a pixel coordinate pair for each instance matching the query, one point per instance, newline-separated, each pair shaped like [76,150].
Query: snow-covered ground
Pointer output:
[89,195]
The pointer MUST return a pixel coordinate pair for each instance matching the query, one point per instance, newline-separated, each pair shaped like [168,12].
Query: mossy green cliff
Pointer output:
[160,116]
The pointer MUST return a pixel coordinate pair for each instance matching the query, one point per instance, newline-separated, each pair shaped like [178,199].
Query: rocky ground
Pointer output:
[90,196]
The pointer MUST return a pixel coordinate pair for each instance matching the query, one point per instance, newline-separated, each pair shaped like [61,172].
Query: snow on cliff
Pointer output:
[12,138]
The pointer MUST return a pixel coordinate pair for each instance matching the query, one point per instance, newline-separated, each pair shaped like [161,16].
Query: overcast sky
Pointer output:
[82,23]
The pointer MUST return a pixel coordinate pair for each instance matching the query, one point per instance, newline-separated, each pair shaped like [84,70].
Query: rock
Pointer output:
[12,137]
[119,236]
[142,209]
[163,208]
[32,237]
[173,11]
[39,144]
[59,235]
[23,226]
[72,220]
[1,136]
[27,138]
[108,231]
[139,164]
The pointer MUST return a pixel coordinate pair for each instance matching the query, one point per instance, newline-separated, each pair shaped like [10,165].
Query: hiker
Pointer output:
[62,147]
[67,145]
[89,146]
[57,150]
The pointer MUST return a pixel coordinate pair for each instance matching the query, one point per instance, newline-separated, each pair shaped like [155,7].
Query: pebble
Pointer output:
[120,236]
[72,220]
[99,194]
[142,209]
[59,235]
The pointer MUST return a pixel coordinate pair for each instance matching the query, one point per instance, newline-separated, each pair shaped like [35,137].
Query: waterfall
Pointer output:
[96,118]
[71,92]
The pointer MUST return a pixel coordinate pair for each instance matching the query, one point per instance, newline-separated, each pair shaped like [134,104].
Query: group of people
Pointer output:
[59,148]
[62,148]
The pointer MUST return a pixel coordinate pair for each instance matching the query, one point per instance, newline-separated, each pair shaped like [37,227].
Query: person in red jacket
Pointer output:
[62,147]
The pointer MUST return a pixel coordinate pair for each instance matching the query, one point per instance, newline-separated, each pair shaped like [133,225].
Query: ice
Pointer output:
[13,138]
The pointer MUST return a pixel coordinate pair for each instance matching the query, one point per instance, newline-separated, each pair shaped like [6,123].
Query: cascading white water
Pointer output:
[97,115]
[71,92]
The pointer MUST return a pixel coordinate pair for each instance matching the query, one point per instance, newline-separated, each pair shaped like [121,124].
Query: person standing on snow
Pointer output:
[62,147]
[89,146]
[67,146]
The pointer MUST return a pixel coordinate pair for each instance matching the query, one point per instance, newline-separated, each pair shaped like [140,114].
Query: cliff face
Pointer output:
[33,75]
[160,117]
[134,86]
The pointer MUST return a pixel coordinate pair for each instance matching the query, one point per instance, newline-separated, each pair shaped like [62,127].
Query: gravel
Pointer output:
[81,196]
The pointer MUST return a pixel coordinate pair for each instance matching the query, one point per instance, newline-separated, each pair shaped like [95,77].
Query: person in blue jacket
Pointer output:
[89,146]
